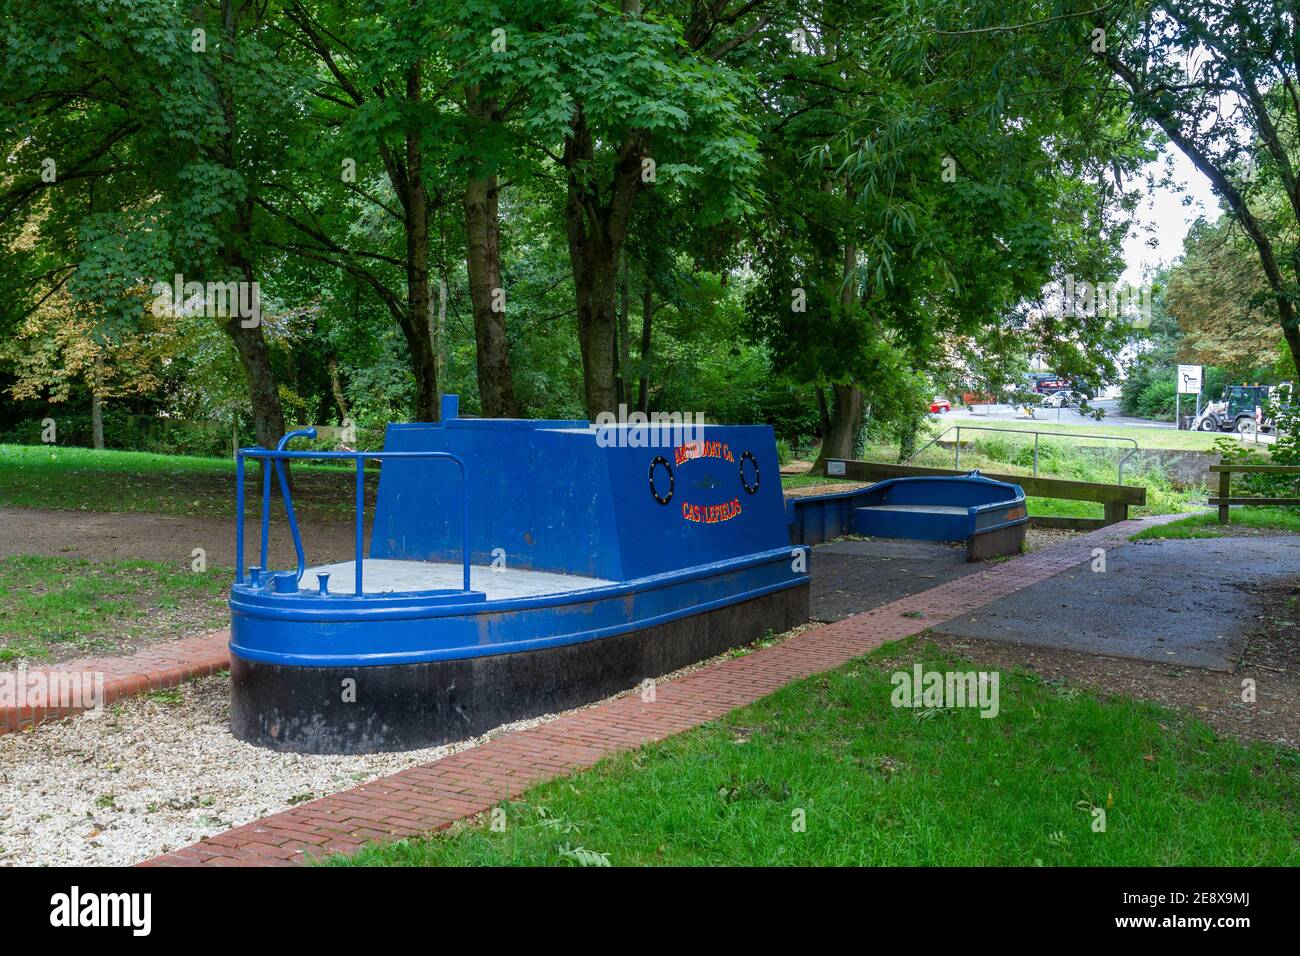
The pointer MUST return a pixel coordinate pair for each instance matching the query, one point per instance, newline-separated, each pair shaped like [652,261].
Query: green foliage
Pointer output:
[1172,60]
[1285,450]
[126,430]
[777,167]
[1158,399]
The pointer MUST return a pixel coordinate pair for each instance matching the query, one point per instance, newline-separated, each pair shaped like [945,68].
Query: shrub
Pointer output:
[1158,399]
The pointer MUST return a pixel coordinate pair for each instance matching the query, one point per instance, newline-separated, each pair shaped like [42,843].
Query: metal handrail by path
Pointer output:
[277,459]
[956,461]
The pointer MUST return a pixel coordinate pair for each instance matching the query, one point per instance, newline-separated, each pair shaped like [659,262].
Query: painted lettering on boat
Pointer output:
[689,450]
[711,514]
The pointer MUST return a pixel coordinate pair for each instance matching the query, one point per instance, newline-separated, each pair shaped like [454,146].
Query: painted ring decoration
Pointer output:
[672,481]
[749,456]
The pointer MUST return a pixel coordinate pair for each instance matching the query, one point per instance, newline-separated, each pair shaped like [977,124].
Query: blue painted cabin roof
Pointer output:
[551,498]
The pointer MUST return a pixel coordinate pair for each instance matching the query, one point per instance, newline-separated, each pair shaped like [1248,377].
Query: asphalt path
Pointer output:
[1187,602]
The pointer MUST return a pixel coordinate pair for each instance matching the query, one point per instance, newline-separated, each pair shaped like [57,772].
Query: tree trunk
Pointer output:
[596,232]
[96,404]
[623,349]
[911,427]
[823,411]
[336,387]
[846,422]
[846,413]
[96,421]
[245,331]
[268,415]
[419,342]
[595,283]
[404,168]
[496,387]
[647,316]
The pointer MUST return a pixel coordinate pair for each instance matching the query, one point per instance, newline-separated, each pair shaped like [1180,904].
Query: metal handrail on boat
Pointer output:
[956,461]
[277,459]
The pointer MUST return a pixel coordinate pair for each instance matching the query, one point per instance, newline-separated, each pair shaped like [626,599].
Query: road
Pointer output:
[1061,416]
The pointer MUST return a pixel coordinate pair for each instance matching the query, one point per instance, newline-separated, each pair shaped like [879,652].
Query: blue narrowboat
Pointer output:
[514,568]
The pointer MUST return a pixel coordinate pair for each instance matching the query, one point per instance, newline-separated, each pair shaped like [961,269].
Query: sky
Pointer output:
[1162,216]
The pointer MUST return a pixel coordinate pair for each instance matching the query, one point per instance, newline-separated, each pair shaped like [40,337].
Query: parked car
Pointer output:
[1063,399]
[940,406]
[1050,386]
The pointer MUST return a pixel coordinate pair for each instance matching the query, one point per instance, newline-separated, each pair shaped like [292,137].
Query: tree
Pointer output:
[928,189]
[1220,81]
[372,82]
[56,347]
[1221,300]
[641,102]
[135,160]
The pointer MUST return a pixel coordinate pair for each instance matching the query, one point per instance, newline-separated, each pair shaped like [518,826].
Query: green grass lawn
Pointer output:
[42,476]
[60,605]
[1206,524]
[879,785]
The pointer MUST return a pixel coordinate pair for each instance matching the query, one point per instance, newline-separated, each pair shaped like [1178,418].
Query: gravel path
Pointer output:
[159,772]
[1036,539]
[153,774]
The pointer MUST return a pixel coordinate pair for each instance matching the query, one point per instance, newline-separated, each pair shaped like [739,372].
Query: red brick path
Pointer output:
[432,796]
[154,668]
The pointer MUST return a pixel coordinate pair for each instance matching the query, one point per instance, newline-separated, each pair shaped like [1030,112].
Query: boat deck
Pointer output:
[387,575]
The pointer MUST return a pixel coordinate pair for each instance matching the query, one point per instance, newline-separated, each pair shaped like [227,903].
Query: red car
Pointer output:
[940,406]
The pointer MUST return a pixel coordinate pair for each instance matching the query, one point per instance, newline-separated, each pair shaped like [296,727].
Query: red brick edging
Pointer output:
[111,678]
[432,796]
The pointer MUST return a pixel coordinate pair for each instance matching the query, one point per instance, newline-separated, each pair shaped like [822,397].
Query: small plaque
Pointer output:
[835,468]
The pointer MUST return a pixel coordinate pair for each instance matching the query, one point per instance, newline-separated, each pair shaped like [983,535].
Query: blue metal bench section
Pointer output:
[514,568]
[990,516]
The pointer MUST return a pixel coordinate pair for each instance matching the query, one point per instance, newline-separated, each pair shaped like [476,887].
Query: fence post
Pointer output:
[1225,484]
[956,452]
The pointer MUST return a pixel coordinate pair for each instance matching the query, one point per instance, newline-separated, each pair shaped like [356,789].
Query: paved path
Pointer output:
[429,797]
[849,577]
[1183,602]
